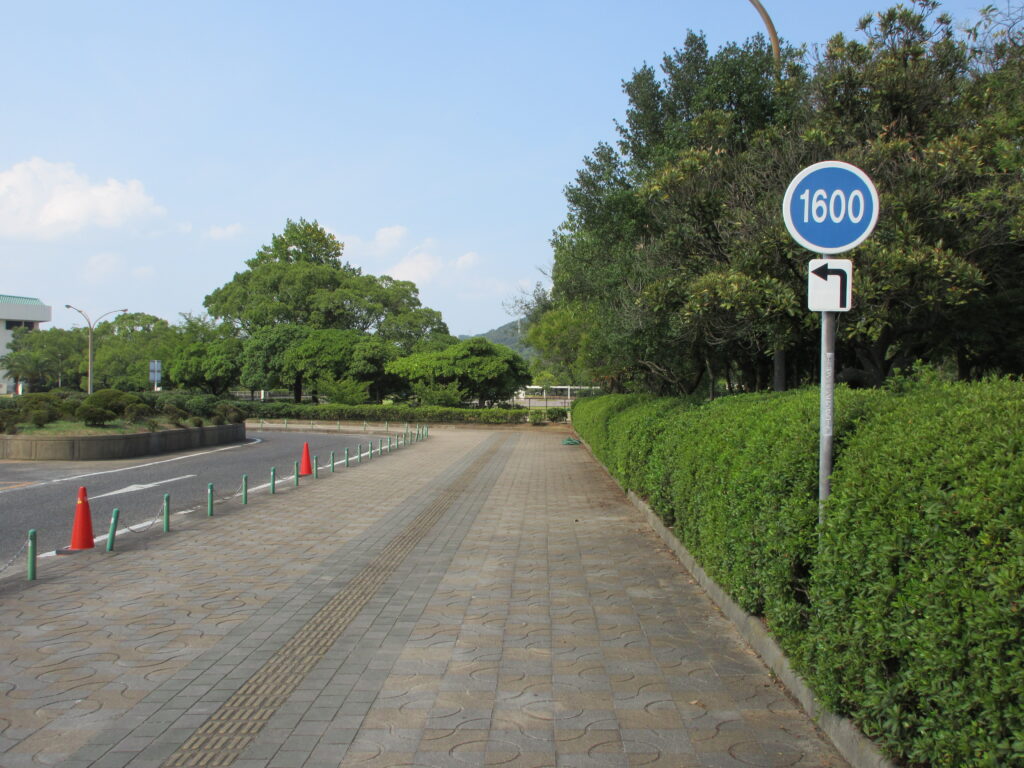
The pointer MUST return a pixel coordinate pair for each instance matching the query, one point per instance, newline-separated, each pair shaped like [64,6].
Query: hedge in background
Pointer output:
[339,412]
[918,526]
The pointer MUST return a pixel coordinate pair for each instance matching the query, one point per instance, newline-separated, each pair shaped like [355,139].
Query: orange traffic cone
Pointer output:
[81,532]
[305,468]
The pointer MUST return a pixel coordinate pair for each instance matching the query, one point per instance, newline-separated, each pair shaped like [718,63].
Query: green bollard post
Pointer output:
[113,529]
[316,468]
[346,457]
[359,454]
[209,499]
[332,461]
[286,425]
[389,443]
[380,447]
[245,489]
[167,513]
[296,474]
[273,480]
[32,554]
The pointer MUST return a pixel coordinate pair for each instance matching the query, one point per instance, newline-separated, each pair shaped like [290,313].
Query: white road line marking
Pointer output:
[38,483]
[132,488]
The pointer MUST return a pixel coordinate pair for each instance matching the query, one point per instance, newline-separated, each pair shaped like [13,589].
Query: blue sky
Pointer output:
[147,150]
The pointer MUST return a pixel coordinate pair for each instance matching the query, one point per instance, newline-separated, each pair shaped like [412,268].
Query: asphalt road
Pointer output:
[42,495]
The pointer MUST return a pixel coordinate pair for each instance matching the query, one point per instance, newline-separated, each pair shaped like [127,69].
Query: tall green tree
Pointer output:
[123,348]
[488,372]
[208,356]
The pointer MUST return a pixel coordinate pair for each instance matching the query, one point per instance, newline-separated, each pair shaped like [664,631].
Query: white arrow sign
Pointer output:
[133,488]
[830,285]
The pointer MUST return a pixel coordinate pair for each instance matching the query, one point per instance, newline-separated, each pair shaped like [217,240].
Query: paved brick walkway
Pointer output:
[482,598]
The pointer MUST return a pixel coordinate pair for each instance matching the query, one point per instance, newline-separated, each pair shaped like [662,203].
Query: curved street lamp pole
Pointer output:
[771,34]
[91,324]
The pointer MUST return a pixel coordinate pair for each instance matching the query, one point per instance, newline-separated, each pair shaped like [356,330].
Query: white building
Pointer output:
[18,312]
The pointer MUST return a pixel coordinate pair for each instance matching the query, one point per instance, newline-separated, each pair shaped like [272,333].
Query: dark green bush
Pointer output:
[111,400]
[136,413]
[537,416]
[37,401]
[93,416]
[196,421]
[202,405]
[228,413]
[557,414]
[378,413]
[40,417]
[909,617]
[919,591]
[174,414]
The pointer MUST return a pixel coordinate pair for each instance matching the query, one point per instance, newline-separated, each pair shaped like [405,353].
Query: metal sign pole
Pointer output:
[828,385]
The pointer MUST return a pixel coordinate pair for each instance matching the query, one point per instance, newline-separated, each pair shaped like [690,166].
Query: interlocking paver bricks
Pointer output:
[485,597]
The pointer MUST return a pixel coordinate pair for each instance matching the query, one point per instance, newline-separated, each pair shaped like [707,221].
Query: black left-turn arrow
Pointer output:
[825,272]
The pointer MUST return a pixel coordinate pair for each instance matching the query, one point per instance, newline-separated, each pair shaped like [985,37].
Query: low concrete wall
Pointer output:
[96,447]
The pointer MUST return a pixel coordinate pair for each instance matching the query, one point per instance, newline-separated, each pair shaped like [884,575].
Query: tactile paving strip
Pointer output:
[223,737]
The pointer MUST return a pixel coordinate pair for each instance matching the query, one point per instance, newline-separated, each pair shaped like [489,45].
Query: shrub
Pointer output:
[175,398]
[196,421]
[229,413]
[136,413]
[94,416]
[918,624]
[37,401]
[392,412]
[448,395]
[217,420]
[558,414]
[537,416]
[174,414]
[349,392]
[41,417]
[111,400]
[201,405]
[907,616]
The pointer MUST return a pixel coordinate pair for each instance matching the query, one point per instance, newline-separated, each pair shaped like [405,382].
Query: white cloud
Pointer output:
[467,260]
[420,267]
[143,273]
[44,200]
[224,233]
[366,252]
[386,239]
[100,267]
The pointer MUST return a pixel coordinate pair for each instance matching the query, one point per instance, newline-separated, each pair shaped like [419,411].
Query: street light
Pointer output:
[773,36]
[91,324]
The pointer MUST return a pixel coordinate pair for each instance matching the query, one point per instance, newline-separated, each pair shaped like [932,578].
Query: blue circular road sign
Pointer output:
[830,207]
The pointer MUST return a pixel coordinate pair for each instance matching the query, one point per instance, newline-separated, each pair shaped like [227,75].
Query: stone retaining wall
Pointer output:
[94,447]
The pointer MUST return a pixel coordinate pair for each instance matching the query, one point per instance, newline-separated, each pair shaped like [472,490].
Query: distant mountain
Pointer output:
[510,334]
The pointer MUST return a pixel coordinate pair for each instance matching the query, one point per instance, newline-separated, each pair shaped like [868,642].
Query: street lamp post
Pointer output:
[91,324]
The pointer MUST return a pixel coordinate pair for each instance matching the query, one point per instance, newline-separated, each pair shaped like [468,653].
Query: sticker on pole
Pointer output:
[830,285]
[830,207]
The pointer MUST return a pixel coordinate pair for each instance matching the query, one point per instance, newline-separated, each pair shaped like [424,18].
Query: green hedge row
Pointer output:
[907,614]
[336,412]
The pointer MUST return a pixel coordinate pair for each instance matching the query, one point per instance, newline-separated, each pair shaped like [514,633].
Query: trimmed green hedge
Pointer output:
[908,618]
[339,412]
